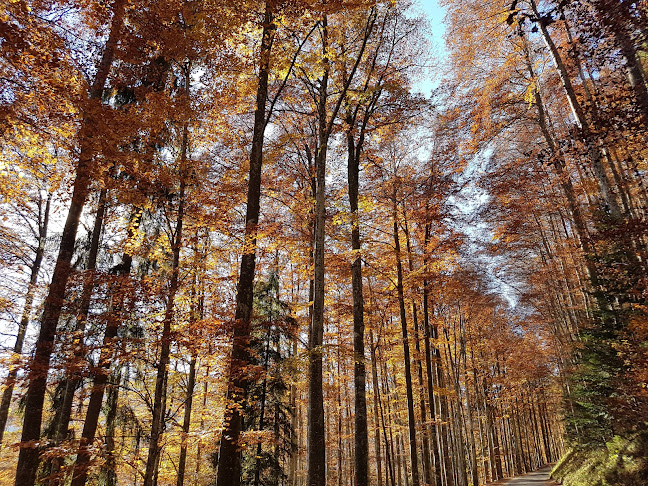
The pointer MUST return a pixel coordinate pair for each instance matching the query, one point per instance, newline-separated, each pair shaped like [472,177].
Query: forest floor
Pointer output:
[536,478]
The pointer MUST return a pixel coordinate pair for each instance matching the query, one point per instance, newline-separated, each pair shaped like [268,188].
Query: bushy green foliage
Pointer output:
[602,396]
[268,413]
[620,462]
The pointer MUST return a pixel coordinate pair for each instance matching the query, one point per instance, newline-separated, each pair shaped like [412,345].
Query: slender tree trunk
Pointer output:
[202,425]
[589,138]
[376,414]
[406,351]
[102,371]
[73,370]
[499,474]
[359,372]
[229,455]
[427,467]
[616,17]
[471,425]
[294,432]
[570,194]
[316,475]
[39,368]
[446,432]
[430,370]
[10,382]
[316,432]
[109,469]
[262,411]
[186,423]
[389,441]
[160,394]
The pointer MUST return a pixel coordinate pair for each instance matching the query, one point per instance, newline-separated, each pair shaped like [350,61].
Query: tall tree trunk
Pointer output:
[446,431]
[262,412]
[203,408]
[186,423]
[493,430]
[595,153]
[316,475]
[10,381]
[73,370]
[389,441]
[109,468]
[316,432]
[616,17]
[568,190]
[430,370]
[406,351]
[471,425]
[294,432]
[427,467]
[359,372]
[28,458]
[229,455]
[160,394]
[376,414]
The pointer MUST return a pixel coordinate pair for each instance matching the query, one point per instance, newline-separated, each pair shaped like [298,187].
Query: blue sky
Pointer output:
[435,15]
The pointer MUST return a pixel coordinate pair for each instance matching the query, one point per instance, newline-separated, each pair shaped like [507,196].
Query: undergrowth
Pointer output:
[622,462]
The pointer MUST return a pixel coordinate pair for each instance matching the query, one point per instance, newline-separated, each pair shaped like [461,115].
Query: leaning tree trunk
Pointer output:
[619,21]
[73,369]
[39,368]
[595,153]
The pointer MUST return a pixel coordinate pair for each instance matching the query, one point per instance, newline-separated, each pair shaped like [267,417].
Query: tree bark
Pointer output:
[316,430]
[359,372]
[74,365]
[316,475]
[618,19]
[109,468]
[186,423]
[188,404]
[160,395]
[427,466]
[376,414]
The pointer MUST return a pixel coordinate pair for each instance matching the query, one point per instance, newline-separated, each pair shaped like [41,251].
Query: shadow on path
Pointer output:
[537,478]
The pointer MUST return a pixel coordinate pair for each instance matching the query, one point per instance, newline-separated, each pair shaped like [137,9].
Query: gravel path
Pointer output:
[537,478]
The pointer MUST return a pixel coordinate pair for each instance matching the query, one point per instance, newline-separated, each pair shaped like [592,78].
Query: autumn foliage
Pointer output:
[240,246]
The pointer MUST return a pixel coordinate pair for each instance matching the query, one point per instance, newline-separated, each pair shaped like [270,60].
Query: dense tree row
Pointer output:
[238,246]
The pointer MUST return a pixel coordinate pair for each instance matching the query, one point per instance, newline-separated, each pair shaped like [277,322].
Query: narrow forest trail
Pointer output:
[536,478]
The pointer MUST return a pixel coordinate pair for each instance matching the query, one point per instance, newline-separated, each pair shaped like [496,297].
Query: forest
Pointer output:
[312,243]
